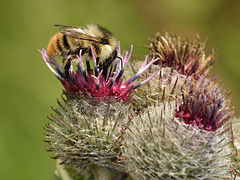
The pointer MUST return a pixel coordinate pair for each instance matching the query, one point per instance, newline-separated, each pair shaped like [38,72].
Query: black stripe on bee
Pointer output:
[97,49]
[65,42]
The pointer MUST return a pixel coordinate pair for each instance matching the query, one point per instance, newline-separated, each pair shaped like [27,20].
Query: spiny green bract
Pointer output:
[159,146]
[85,131]
[166,86]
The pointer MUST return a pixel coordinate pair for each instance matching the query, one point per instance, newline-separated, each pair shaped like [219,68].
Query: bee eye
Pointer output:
[105,41]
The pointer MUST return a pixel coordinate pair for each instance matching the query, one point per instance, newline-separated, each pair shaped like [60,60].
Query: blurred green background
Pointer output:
[28,88]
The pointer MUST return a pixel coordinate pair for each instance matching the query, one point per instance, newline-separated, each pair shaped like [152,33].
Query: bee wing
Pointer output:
[60,26]
[78,33]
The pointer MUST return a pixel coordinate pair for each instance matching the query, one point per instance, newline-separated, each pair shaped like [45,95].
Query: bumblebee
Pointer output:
[70,40]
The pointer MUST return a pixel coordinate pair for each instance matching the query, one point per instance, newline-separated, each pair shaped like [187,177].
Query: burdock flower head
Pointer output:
[88,126]
[94,83]
[185,56]
[178,60]
[204,105]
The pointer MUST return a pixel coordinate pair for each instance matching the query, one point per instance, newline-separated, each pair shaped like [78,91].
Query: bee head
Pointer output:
[104,41]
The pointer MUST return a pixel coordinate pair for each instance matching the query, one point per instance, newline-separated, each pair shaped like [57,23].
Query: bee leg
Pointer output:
[121,61]
[67,65]
[107,63]
[97,60]
[105,71]
[67,69]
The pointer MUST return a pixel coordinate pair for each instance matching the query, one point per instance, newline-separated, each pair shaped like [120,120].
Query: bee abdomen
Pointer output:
[54,47]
